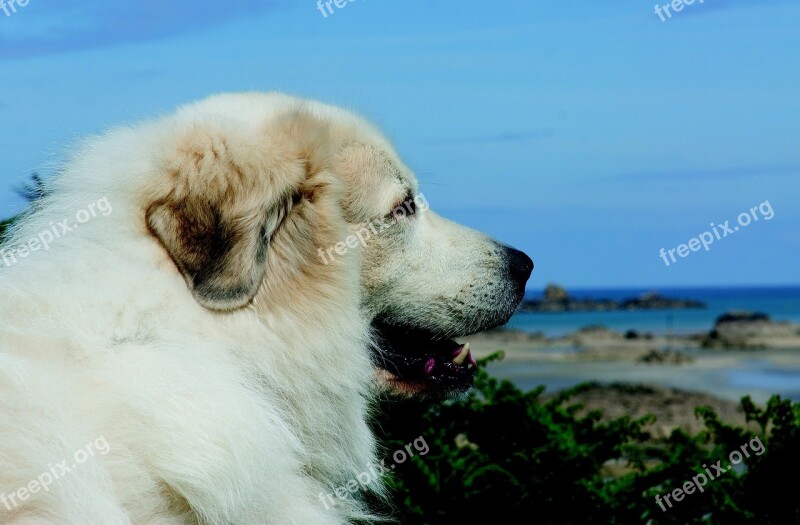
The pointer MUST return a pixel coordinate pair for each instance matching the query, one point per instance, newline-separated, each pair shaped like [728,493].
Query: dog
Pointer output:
[195,332]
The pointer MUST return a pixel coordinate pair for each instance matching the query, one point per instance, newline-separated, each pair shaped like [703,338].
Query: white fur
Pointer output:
[241,417]
[222,417]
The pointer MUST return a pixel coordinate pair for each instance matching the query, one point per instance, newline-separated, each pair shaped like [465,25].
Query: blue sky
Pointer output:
[589,134]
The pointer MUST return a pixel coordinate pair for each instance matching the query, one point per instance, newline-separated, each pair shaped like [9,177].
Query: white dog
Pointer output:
[174,349]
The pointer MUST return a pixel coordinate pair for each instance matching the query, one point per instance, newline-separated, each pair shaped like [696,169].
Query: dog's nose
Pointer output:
[519,265]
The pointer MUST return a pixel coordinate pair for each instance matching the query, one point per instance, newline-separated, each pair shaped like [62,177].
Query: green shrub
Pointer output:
[501,455]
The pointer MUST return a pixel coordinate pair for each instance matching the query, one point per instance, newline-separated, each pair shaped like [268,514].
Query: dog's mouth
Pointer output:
[415,362]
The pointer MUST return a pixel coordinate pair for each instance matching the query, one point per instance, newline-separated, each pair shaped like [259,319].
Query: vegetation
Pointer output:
[30,191]
[501,455]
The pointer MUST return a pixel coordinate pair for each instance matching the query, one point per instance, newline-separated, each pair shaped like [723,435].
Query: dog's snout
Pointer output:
[520,266]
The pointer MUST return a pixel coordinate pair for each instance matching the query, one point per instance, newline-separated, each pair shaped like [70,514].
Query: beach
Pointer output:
[725,374]
[712,356]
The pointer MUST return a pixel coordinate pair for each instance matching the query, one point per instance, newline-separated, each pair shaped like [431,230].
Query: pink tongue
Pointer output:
[429,365]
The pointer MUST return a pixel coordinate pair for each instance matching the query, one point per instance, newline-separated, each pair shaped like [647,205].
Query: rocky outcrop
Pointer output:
[556,299]
[508,335]
[665,357]
[751,330]
[654,301]
[673,408]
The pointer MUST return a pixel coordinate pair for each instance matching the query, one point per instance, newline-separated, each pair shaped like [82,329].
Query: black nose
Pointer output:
[520,266]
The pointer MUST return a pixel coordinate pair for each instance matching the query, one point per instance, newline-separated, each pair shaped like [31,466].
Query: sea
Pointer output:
[780,303]
[751,374]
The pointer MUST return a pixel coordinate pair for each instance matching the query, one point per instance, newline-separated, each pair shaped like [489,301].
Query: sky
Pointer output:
[588,134]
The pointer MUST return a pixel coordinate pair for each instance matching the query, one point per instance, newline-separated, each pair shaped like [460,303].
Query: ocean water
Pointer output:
[780,303]
[751,375]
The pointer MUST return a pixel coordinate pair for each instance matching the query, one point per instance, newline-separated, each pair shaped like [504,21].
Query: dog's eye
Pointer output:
[410,205]
[404,209]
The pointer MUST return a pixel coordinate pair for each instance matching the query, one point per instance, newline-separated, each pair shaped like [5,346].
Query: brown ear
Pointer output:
[227,189]
[221,254]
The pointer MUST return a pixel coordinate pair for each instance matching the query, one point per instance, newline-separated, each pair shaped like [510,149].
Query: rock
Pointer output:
[509,335]
[749,330]
[665,357]
[654,301]
[553,292]
[596,329]
[740,316]
[593,335]
[556,299]
[633,335]
[673,408]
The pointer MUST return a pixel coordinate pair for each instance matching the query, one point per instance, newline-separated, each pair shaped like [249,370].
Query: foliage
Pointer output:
[30,191]
[501,455]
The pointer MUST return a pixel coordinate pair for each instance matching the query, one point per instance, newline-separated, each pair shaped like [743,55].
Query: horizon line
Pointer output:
[664,287]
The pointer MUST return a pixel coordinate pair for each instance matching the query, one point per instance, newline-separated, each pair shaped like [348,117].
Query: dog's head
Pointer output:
[269,198]
[426,280]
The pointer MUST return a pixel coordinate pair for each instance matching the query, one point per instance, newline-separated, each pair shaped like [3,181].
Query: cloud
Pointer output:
[44,27]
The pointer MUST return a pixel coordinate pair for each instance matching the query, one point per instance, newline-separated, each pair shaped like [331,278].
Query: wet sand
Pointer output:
[558,364]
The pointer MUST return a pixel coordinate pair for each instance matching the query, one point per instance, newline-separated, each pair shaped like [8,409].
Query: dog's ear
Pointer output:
[222,255]
[228,192]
